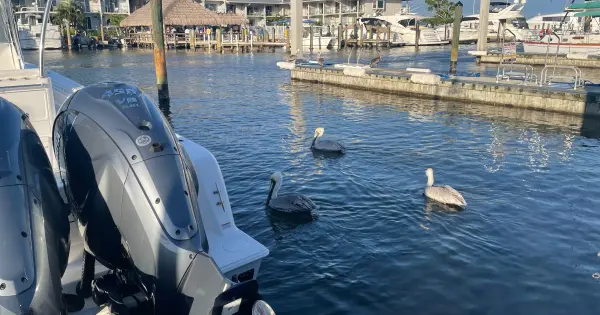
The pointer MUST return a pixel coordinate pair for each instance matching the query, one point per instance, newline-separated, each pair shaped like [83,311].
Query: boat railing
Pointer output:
[558,75]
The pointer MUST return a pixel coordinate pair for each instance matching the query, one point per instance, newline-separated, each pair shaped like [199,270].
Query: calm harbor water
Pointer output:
[528,242]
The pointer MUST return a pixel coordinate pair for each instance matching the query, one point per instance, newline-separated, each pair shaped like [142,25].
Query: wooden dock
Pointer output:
[541,60]
[227,42]
[583,101]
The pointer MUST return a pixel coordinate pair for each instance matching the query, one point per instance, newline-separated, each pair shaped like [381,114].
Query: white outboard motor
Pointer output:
[134,191]
[34,221]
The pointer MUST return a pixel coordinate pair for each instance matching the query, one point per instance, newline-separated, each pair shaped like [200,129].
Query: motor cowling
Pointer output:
[132,189]
[34,222]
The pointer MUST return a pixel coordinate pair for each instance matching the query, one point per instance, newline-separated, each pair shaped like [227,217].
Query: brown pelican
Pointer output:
[293,57]
[443,194]
[320,60]
[330,146]
[289,203]
[375,60]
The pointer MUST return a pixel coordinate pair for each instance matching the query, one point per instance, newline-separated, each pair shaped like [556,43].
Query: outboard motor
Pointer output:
[34,221]
[133,191]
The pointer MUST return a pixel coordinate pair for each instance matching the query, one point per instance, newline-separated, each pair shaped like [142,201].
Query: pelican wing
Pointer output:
[329,146]
[445,194]
[292,203]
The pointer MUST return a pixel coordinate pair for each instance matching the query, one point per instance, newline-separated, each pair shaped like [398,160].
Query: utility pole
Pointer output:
[484,12]
[160,61]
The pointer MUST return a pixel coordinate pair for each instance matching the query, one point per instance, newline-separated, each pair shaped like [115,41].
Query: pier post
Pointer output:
[417,34]
[484,13]
[389,37]
[219,40]
[310,45]
[455,36]
[339,38]
[286,34]
[160,61]
[360,39]
[296,27]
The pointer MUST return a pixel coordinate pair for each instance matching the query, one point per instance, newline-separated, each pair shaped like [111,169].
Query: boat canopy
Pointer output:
[584,6]
[594,13]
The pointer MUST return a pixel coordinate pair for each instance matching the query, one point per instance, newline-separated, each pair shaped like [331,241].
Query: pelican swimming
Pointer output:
[290,203]
[326,145]
[443,194]
[293,57]
[320,60]
[375,60]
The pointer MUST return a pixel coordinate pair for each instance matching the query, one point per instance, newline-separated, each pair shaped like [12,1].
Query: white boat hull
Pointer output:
[30,40]
[542,48]
[427,37]
[324,42]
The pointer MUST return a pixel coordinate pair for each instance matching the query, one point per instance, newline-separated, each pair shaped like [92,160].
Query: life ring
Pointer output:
[542,33]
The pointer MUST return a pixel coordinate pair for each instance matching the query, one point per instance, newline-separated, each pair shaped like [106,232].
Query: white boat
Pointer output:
[29,24]
[564,44]
[516,24]
[47,248]
[321,38]
[569,36]
[403,28]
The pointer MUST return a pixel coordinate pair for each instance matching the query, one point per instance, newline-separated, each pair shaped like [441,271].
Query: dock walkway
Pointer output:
[483,90]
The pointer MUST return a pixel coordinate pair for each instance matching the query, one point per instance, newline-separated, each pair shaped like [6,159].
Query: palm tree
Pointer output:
[69,13]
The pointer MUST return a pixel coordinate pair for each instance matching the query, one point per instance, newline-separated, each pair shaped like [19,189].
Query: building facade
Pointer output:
[323,12]
[258,12]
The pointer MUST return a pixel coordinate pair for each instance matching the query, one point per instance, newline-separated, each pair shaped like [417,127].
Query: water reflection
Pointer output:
[282,222]
[434,210]
[297,126]
[505,123]
[496,148]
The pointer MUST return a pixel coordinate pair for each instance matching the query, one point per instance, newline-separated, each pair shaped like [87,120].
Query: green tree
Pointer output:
[443,11]
[69,13]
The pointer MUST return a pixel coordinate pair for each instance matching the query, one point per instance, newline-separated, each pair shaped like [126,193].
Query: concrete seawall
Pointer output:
[464,89]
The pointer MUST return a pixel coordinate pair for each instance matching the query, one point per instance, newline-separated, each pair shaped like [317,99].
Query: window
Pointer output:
[211,6]
[231,8]
[378,4]
[268,10]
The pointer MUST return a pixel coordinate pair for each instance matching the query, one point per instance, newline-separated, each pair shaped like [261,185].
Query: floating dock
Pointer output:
[575,60]
[485,90]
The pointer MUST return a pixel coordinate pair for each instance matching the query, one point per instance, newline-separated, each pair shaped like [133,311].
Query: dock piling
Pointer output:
[160,62]
[455,36]
[310,45]
[484,13]
[339,37]
[417,35]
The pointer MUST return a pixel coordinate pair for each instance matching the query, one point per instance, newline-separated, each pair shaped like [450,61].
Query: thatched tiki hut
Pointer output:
[182,13]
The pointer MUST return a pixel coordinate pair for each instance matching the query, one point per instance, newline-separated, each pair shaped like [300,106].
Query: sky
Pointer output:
[532,7]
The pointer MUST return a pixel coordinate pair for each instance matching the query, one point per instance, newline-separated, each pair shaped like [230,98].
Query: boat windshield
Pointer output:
[519,23]
[9,39]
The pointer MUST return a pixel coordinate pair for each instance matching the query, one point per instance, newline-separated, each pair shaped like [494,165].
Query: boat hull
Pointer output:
[542,48]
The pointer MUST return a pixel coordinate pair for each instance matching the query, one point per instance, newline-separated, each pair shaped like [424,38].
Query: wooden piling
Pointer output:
[360,40]
[389,36]
[339,37]
[455,36]
[417,34]
[310,45]
[160,62]
[219,41]
[286,34]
